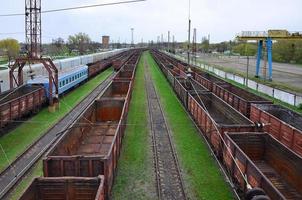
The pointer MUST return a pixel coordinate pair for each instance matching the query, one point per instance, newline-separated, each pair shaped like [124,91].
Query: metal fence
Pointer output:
[284,96]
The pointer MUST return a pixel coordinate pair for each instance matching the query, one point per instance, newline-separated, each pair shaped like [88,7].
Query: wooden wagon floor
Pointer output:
[98,140]
[288,191]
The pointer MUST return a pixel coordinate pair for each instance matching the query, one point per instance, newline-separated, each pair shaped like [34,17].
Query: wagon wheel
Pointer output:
[250,194]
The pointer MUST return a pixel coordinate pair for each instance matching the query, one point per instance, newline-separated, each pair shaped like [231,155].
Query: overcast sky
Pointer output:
[222,19]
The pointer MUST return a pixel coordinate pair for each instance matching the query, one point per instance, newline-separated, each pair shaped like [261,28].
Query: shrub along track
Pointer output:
[168,174]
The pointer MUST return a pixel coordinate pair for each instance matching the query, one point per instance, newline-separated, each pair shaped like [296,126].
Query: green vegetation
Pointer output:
[135,176]
[202,176]
[16,141]
[21,187]
[10,48]
[287,51]
[245,49]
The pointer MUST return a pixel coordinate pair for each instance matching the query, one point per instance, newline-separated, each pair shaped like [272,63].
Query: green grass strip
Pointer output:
[16,141]
[201,174]
[21,187]
[135,176]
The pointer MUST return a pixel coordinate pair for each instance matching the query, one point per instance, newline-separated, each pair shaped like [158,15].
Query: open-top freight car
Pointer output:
[183,87]
[284,125]
[215,117]
[238,98]
[92,145]
[265,163]
[207,80]
[127,72]
[97,67]
[67,188]
[121,59]
[17,103]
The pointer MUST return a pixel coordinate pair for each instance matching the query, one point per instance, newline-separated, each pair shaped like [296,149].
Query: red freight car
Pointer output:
[183,87]
[215,117]
[97,67]
[68,188]
[207,80]
[16,103]
[238,98]
[92,145]
[265,163]
[284,125]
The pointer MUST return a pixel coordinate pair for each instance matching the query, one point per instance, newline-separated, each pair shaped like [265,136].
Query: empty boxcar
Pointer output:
[284,125]
[92,146]
[16,103]
[238,98]
[67,188]
[183,87]
[215,117]
[266,163]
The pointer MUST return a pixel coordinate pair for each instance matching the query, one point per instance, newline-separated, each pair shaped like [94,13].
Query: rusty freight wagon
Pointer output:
[266,163]
[183,87]
[67,188]
[127,72]
[215,117]
[97,67]
[207,80]
[118,62]
[238,98]
[92,145]
[124,75]
[284,125]
[16,103]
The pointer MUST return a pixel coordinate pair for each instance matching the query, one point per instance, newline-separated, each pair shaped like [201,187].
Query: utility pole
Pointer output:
[209,42]
[132,40]
[162,41]
[194,48]
[173,44]
[247,69]
[189,33]
[168,41]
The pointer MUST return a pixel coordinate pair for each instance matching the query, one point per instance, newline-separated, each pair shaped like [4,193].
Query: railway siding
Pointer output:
[202,177]
[168,174]
[135,170]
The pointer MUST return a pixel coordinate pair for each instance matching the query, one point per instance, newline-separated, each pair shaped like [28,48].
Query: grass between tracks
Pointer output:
[201,174]
[19,189]
[16,141]
[135,176]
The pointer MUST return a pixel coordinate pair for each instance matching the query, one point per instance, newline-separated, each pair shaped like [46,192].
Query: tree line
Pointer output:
[77,44]
[283,51]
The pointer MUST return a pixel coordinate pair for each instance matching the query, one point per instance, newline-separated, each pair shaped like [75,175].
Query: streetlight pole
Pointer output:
[247,69]
[189,33]
[132,40]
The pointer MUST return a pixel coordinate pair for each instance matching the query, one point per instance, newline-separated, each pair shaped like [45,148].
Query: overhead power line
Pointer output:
[75,8]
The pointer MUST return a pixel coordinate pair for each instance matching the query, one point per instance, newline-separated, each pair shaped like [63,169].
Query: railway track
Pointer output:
[168,174]
[18,168]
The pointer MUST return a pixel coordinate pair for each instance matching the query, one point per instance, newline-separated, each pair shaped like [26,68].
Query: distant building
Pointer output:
[105,41]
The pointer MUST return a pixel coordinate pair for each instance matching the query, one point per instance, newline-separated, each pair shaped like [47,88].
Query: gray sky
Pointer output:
[222,19]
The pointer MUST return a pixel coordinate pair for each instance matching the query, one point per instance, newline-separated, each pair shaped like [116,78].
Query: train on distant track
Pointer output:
[22,101]
[258,143]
